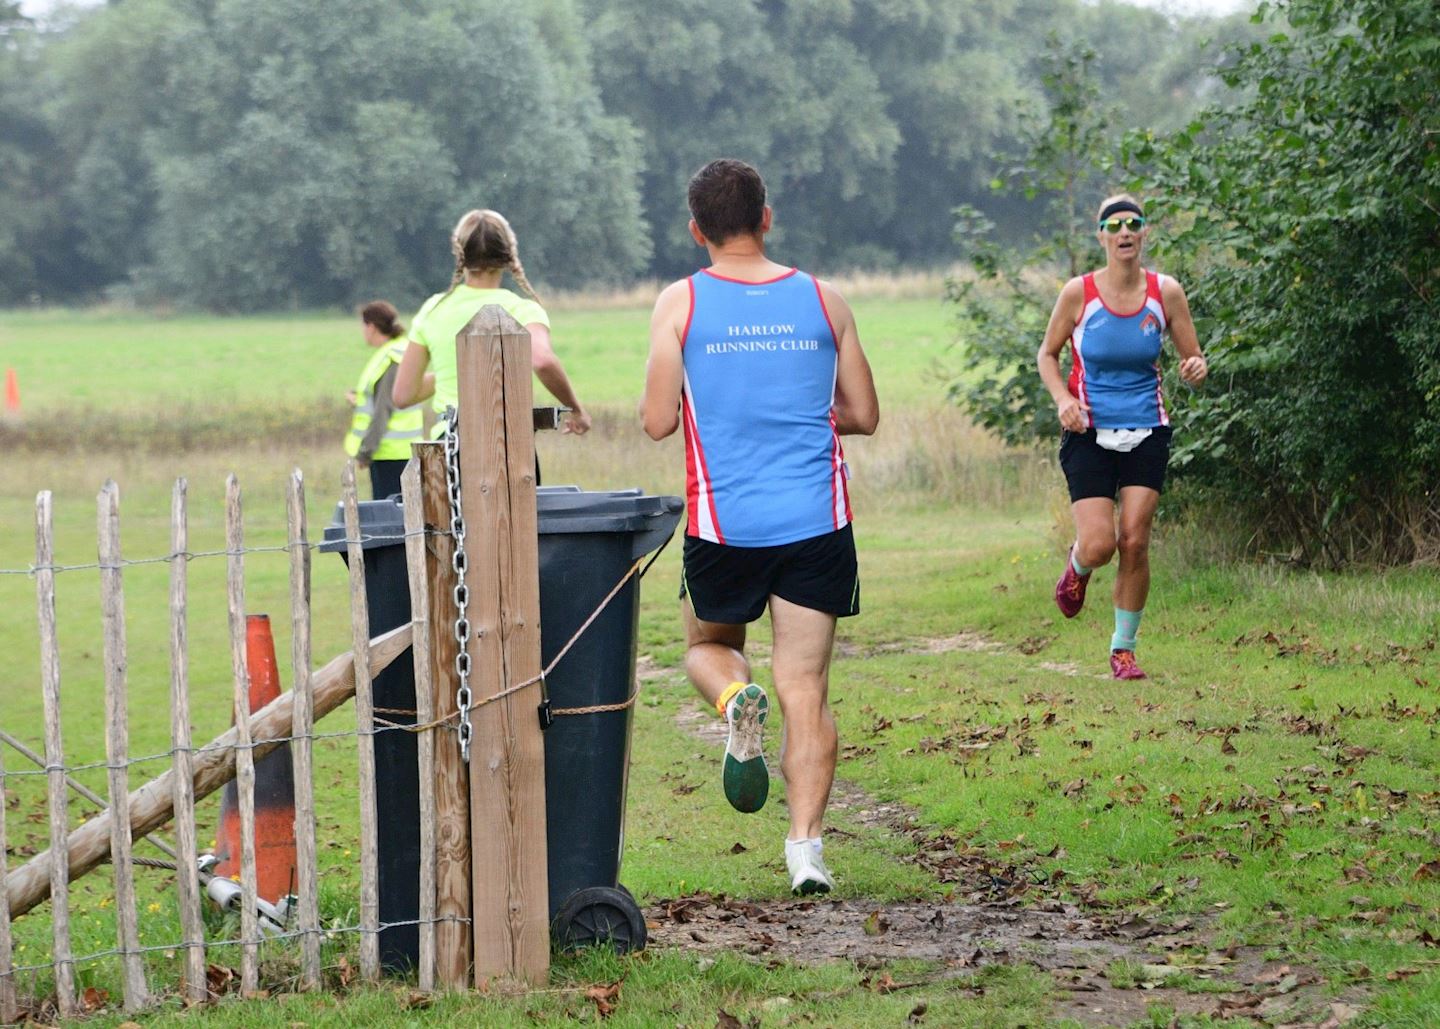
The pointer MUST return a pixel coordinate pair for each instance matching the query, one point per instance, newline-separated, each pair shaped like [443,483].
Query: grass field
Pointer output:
[1249,835]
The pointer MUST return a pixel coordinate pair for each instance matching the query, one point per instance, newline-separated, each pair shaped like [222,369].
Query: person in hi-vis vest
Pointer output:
[380,433]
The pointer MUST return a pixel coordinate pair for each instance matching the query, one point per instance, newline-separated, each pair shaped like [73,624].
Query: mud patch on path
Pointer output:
[1110,968]
[972,642]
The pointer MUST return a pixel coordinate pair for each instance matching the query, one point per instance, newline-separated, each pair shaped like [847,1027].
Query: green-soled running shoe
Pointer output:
[747,780]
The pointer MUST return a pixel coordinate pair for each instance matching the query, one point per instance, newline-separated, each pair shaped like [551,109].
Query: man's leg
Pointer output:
[715,662]
[714,655]
[801,668]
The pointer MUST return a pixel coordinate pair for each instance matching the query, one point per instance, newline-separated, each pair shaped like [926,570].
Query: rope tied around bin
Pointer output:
[593,709]
[544,672]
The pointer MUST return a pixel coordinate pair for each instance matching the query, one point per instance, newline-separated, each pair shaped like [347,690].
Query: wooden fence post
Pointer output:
[507,762]
[117,746]
[8,1012]
[187,885]
[302,728]
[244,750]
[54,760]
[451,778]
[365,741]
[424,710]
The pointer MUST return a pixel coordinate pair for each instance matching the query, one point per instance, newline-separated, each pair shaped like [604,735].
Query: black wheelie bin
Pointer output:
[588,541]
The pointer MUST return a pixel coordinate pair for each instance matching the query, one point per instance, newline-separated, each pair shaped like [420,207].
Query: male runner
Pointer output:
[764,365]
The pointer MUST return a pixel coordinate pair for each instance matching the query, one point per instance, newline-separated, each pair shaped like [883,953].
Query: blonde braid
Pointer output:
[518,271]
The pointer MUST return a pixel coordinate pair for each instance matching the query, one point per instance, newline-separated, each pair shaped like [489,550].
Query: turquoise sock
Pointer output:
[1127,626]
[1079,568]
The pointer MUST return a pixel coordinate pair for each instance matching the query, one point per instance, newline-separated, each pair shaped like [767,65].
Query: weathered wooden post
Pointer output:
[415,536]
[244,750]
[61,866]
[510,903]
[365,741]
[117,745]
[8,1009]
[182,766]
[302,728]
[450,782]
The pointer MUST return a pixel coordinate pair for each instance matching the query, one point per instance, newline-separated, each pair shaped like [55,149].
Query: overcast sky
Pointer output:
[35,7]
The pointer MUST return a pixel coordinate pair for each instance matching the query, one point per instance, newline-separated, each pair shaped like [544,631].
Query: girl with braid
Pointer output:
[485,249]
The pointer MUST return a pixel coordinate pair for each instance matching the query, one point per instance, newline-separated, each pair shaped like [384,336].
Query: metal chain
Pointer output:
[459,562]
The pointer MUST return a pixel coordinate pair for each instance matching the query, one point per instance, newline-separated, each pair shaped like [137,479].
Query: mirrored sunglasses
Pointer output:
[1114,225]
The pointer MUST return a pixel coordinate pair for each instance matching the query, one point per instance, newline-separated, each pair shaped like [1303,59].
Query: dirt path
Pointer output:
[1109,967]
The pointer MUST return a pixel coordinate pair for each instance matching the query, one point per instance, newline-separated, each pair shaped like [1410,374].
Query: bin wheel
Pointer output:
[600,915]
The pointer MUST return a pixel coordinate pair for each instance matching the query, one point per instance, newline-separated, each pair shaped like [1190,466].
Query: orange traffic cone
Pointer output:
[12,392]
[274,785]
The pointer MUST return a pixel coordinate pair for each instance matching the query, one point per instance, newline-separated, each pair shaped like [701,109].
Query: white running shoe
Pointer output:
[806,861]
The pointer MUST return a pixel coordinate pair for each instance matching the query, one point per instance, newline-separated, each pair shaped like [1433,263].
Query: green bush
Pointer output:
[1311,227]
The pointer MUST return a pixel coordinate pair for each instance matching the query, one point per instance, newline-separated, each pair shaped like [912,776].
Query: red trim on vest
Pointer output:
[834,336]
[684,335]
[748,282]
[693,451]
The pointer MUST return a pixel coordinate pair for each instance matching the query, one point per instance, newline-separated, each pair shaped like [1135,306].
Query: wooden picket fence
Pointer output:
[482,879]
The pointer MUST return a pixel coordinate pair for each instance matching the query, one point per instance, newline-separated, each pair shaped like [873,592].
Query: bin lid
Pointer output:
[382,524]
[648,521]
[561,510]
[569,509]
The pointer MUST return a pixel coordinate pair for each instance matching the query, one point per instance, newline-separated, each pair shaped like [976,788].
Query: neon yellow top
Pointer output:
[443,316]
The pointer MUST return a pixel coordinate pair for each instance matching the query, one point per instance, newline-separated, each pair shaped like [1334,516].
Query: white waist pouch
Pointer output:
[1122,440]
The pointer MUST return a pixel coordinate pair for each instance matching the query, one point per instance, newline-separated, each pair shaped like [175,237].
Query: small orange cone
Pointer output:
[274,785]
[12,392]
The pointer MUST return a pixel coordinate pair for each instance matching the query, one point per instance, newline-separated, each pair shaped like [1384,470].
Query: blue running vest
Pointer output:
[1116,371]
[763,460]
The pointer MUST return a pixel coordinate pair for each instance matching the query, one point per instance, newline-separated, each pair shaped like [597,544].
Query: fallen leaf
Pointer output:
[606,997]
[1340,1013]
[876,923]
[739,848]
[1429,870]
[93,999]
[219,979]
[417,1000]
[1398,974]
[725,1020]
[1226,747]
[917,1013]
[1273,975]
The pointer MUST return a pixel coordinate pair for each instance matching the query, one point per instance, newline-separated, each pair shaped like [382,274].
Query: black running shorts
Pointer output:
[1092,471]
[732,585]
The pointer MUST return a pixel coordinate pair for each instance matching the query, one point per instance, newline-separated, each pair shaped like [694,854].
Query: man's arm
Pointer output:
[665,369]
[857,408]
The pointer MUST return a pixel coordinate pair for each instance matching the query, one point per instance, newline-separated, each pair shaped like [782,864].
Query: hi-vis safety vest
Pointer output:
[407,424]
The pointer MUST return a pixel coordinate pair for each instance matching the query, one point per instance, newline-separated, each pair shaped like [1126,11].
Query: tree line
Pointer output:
[255,154]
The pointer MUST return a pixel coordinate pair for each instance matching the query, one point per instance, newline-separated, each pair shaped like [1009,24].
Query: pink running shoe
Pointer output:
[1123,666]
[1070,590]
